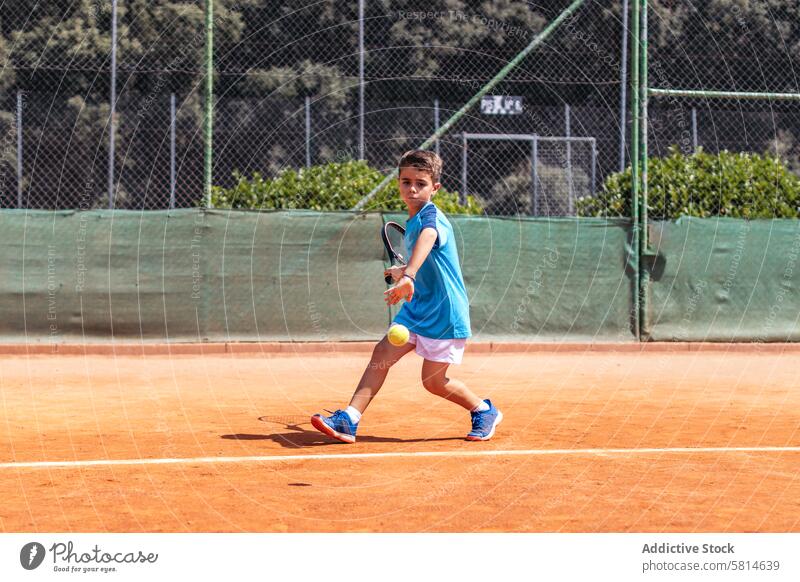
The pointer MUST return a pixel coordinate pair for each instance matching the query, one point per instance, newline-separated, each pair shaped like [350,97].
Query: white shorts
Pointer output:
[448,351]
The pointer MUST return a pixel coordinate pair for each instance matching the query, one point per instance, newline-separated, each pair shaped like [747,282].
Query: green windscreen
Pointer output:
[725,279]
[214,275]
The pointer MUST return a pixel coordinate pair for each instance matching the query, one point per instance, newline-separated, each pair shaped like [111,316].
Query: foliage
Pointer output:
[333,186]
[513,194]
[269,45]
[739,185]
[276,53]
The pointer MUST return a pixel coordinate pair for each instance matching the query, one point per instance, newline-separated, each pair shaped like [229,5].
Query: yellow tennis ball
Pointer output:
[398,335]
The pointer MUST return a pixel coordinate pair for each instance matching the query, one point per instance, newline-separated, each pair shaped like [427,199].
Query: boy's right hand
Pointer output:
[404,289]
[396,272]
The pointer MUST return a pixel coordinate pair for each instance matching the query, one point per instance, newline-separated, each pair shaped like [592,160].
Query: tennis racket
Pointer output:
[393,236]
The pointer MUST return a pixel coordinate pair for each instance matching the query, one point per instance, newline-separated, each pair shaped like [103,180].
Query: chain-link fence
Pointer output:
[737,61]
[301,83]
[528,174]
[58,66]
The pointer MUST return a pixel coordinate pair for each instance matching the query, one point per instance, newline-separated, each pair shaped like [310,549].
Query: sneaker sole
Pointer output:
[497,421]
[319,424]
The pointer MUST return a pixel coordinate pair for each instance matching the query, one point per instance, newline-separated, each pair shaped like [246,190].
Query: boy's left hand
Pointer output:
[395,271]
[404,289]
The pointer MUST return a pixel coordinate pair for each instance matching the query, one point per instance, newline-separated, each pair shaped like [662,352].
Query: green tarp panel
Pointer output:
[190,275]
[725,279]
[294,276]
[199,275]
[97,276]
[545,279]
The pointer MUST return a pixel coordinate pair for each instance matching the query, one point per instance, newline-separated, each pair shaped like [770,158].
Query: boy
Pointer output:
[436,311]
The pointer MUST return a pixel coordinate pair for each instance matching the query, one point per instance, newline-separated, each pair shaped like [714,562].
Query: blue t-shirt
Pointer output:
[439,308]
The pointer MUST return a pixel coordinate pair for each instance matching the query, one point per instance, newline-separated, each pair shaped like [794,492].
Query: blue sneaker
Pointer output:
[484,423]
[338,425]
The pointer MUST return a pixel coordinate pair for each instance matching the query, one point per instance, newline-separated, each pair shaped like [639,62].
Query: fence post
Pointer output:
[308,131]
[594,166]
[19,149]
[436,123]
[360,79]
[463,196]
[644,242]
[112,115]
[208,121]
[623,114]
[694,129]
[568,133]
[535,173]
[172,151]
[635,174]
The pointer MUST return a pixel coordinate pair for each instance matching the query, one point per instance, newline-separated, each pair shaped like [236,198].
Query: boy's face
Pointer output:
[416,187]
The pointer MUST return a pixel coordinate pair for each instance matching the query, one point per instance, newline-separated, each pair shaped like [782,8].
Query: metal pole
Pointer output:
[535,173]
[462,199]
[172,150]
[19,149]
[635,164]
[644,246]
[644,122]
[113,113]
[654,92]
[570,193]
[694,129]
[623,114]
[208,132]
[436,124]
[308,132]
[594,167]
[360,79]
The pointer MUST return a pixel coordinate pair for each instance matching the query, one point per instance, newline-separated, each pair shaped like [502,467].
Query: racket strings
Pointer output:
[397,242]
[394,241]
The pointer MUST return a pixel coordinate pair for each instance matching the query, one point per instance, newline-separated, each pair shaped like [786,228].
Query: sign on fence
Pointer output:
[501,105]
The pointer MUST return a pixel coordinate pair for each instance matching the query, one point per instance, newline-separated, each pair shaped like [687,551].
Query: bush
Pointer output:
[334,186]
[512,195]
[739,185]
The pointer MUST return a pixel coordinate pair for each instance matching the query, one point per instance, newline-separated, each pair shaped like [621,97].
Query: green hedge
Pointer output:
[739,185]
[334,186]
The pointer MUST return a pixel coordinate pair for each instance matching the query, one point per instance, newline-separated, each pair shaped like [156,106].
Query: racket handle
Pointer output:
[388,279]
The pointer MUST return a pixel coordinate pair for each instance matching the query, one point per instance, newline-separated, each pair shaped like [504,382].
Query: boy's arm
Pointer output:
[405,286]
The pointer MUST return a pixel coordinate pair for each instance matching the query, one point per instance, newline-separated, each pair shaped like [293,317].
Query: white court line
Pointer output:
[411,454]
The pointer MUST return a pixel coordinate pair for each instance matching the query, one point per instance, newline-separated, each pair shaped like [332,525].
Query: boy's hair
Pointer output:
[426,161]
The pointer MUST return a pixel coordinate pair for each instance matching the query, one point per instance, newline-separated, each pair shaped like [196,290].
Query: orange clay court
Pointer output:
[622,439]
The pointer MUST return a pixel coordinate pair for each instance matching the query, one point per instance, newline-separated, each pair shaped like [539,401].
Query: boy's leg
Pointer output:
[435,380]
[384,356]
[342,424]
[485,416]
